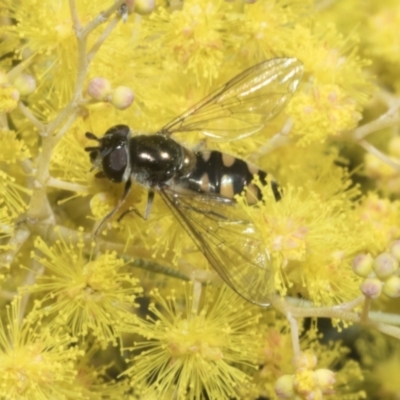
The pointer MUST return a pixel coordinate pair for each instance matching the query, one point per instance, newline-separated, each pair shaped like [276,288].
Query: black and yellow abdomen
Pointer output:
[225,175]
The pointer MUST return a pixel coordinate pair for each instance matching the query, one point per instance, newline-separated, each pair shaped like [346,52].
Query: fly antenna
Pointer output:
[92,136]
[90,148]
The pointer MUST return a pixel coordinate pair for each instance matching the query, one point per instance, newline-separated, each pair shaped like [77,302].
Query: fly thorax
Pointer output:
[154,159]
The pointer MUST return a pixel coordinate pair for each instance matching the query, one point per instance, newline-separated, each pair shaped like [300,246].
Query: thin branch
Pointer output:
[294,330]
[95,48]
[35,122]
[49,216]
[382,156]
[390,330]
[351,305]
[387,120]
[20,67]
[374,126]
[386,97]
[365,310]
[29,172]
[196,274]
[329,312]
[76,23]
[6,295]
[83,61]
[35,207]
[29,280]
[280,139]
[64,185]
[15,243]
[387,318]
[42,175]
[67,125]
[26,166]
[101,18]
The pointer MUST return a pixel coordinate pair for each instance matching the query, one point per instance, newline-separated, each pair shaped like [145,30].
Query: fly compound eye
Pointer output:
[114,152]
[115,163]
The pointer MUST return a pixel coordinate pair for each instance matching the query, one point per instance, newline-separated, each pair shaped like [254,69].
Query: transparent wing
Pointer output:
[243,105]
[229,240]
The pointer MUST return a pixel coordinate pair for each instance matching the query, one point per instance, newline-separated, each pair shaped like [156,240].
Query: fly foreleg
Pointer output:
[121,201]
[150,199]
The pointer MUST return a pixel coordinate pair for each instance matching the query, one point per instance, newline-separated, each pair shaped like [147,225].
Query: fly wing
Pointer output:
[243,105]
[229,240]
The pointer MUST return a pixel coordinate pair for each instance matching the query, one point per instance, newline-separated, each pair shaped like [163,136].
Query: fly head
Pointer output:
[112,153]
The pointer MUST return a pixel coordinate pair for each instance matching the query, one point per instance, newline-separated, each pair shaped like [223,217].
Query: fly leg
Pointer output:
[121,201]
[134,210]
[150,199]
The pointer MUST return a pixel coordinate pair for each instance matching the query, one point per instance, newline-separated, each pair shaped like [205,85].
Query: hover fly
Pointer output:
[199,186]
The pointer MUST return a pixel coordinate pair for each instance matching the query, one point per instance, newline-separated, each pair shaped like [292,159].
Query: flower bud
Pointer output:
[305,360]
[391,287]
[325,379]
[316,394]
[385,265]
[99,88]
[144,7]
[284,387]
[130,5]
[362,265]
[371,287]
[25,84]
[395,250]
[122,97]
[304,383]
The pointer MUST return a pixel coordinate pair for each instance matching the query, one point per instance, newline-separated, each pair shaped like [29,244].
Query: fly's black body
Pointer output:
[199,187]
